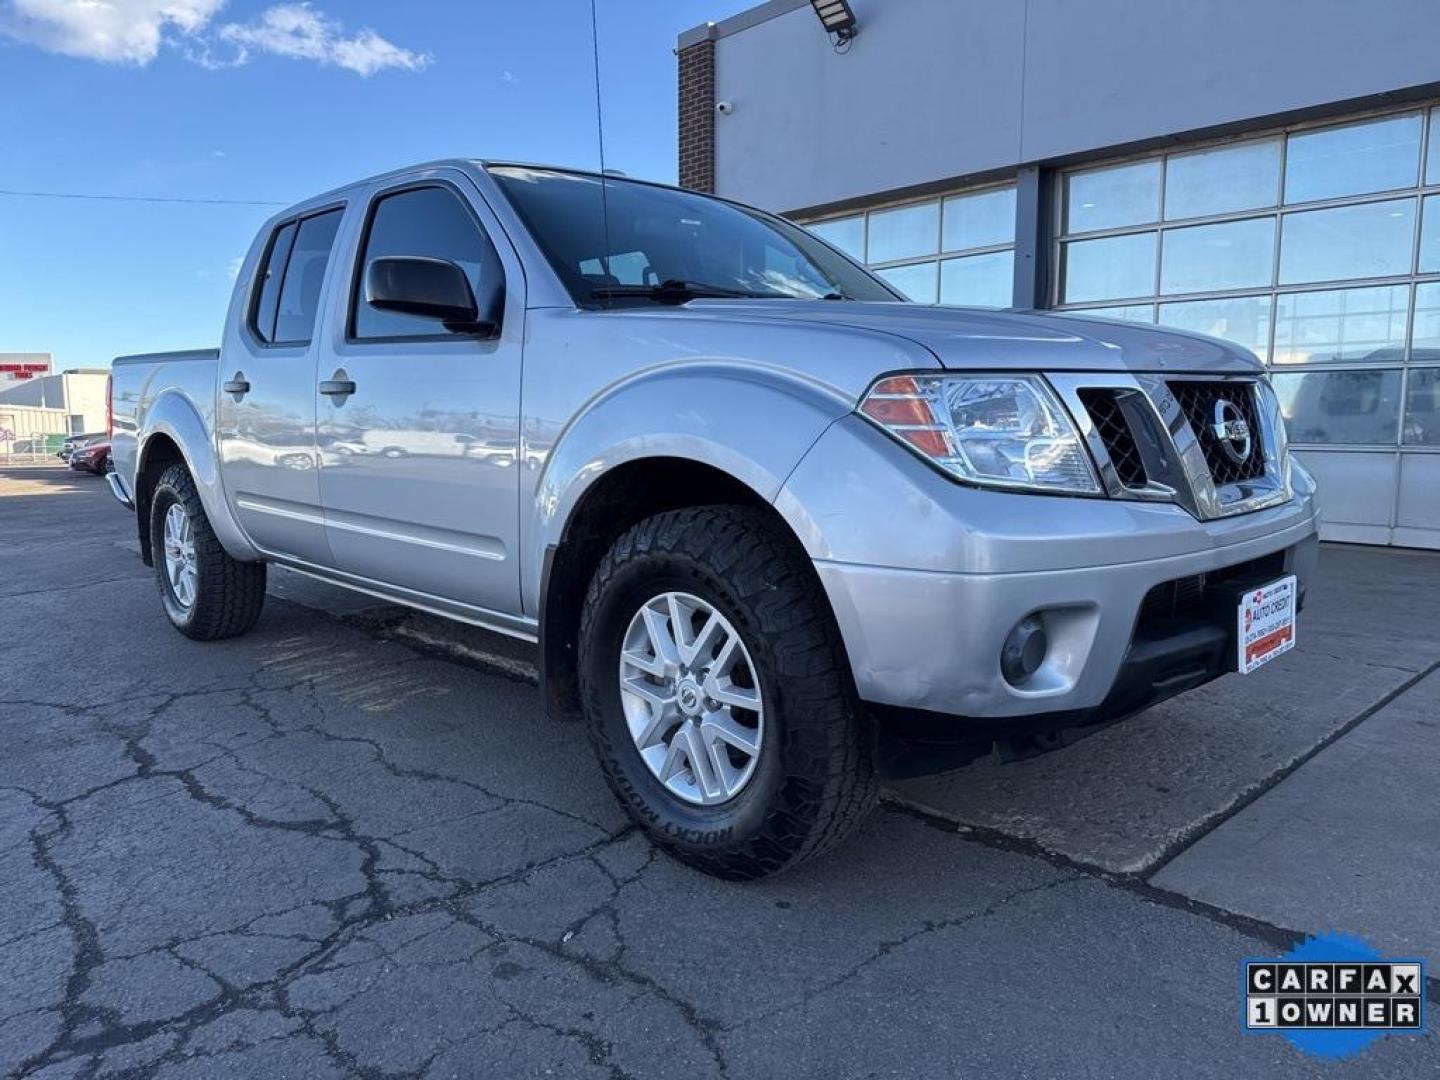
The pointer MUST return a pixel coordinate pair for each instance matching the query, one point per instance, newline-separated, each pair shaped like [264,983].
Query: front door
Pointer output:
[266,405]
[418,423]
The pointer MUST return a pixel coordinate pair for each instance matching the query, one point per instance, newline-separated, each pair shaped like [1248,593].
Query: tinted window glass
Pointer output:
[1345,325]
[1355,408]
[1244,320]
[1110,269]
[430,222]
[304,275]
[1109,198]
[979,220]
[1231,178]
[979,280]
[916,282]
[1232,255]
[1425,338]
[847,234]
[1422,408]
[273,272]
[1370,240]
[1352,160]
[1430,235]
[904,232]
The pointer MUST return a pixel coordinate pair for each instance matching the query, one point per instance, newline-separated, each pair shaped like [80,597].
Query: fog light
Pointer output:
[1024,651]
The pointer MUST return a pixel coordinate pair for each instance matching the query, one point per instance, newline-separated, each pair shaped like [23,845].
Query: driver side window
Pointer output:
[430,222]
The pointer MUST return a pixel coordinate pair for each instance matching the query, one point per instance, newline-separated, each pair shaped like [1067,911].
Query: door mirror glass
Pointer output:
[418,285]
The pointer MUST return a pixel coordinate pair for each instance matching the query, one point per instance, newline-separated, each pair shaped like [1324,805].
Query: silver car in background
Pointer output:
[776,532]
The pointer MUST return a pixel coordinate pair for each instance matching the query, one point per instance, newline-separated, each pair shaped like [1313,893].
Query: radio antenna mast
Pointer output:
[600,136]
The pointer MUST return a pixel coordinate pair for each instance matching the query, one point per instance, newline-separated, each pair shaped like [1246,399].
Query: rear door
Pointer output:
[418,477]
[266,407]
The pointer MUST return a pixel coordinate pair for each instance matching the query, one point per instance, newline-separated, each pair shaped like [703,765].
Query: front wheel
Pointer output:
[207,595]
[718,695]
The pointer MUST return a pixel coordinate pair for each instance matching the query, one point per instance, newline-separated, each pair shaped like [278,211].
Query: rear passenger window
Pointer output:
[269,300]
[289,299]
[430,222]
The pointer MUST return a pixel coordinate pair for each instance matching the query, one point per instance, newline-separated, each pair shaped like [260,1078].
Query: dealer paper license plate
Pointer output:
[1267,623]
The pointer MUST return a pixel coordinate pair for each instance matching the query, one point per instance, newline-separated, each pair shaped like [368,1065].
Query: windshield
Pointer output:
[665,244]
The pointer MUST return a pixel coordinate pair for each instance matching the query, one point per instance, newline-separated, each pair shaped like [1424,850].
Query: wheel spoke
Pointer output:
[727,693]
[722,727]
[661,643]
[661,704]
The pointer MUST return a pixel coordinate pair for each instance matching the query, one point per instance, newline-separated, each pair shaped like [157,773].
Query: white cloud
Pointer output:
[134,31]
[299,31]
[118,31]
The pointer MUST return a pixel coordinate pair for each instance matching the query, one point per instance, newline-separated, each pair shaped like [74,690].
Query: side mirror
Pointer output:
[430,288]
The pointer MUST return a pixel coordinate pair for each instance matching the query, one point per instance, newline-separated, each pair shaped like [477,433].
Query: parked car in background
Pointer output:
[73,442]
[92,458]
[779,532]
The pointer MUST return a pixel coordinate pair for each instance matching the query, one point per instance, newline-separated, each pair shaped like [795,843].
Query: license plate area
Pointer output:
[1265,623]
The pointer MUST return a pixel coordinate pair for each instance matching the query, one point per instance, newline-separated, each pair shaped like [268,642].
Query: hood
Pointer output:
[979,338]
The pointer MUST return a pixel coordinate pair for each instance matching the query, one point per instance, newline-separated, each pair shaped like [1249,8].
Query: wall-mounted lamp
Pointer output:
[837,18]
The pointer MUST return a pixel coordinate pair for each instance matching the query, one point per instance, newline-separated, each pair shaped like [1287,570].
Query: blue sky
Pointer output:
[266,100]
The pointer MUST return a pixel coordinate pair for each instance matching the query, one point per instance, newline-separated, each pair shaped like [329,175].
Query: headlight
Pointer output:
[1003,430]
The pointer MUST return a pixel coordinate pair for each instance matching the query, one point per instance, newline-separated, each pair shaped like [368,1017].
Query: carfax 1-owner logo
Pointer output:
[1333,996]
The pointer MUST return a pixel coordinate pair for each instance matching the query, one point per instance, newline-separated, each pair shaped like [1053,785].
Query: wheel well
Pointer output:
[622,497]
[159,454]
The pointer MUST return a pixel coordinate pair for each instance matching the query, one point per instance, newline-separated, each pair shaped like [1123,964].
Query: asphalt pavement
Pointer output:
[352,844]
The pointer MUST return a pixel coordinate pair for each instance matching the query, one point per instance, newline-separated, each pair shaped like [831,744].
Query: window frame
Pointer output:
[252,307]
[357,274]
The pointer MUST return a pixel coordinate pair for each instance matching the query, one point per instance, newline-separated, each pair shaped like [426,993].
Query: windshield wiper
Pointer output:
[673,290]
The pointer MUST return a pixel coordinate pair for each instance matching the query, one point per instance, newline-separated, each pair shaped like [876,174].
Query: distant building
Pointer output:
[40,410]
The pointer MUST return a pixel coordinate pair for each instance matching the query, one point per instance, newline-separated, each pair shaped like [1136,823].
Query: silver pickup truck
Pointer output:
[776,532]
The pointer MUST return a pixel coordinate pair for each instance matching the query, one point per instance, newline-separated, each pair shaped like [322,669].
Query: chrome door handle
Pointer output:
[338,385]
[238,386]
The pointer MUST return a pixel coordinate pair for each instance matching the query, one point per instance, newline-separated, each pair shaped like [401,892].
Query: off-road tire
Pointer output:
[229,594]
[814,780]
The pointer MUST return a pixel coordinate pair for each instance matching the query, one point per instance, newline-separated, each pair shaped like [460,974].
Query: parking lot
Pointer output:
[352,843]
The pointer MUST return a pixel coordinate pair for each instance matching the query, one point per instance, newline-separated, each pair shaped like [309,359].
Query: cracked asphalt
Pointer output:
[326,850]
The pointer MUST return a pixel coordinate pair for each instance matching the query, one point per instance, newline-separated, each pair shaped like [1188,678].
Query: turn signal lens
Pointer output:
[1001,430]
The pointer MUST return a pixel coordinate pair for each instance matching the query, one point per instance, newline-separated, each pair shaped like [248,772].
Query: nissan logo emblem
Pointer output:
[1231,431]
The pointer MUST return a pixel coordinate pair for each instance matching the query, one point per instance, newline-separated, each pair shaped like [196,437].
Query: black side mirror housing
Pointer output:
[430,288]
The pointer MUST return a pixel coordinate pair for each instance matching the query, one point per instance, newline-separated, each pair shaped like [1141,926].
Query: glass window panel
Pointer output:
[1430,235]
[1425,339]
[847,234]
[299,304]
[904,232]
[1349,408]
[1432,167]
[1353,160]
[1232,255]
[1370,240]
[979,280]
[1244,320]
[917,282]
[1142,313]
[1341,325]
[1223,180]
[1422,407]
[979,220]
[1110,198]
[1110,268]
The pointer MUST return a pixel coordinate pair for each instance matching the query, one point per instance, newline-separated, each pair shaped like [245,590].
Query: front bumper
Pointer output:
[925,630]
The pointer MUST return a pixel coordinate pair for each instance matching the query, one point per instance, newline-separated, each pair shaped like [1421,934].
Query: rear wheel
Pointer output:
[207,595]
[718,695]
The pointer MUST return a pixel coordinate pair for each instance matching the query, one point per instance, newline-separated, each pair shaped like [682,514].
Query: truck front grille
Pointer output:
[1103,405]
[1198,401]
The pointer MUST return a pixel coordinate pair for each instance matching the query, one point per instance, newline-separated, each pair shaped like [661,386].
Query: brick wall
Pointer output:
[697,116]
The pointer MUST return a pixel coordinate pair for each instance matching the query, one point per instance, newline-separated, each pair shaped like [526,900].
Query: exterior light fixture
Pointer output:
[837,18]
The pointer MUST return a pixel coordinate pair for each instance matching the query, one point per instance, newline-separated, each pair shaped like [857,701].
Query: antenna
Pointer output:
[600,135]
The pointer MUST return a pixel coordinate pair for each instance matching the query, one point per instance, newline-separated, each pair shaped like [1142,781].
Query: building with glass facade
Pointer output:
[1167,163]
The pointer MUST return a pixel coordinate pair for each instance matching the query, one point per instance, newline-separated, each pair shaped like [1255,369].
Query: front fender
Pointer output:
[751,423]
[174,416]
